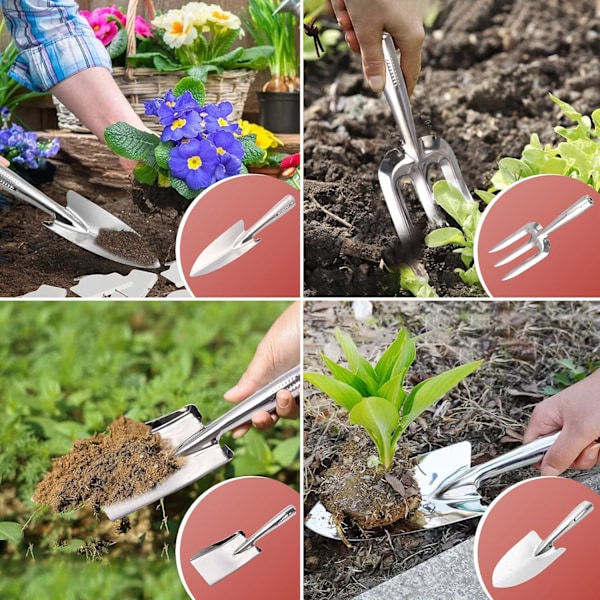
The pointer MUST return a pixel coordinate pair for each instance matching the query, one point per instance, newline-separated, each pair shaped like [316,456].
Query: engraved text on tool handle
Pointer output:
[281,208]
[571,213]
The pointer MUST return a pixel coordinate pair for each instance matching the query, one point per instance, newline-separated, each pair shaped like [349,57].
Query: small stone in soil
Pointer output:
[107,468]
[126,244]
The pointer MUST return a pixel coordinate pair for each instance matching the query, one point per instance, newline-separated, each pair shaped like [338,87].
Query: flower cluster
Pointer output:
[108,21]
[205,147]
[22,147]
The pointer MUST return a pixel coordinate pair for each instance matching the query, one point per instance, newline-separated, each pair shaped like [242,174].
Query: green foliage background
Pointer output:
[67,370]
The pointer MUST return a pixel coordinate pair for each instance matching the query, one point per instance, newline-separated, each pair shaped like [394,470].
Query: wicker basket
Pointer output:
[139,85]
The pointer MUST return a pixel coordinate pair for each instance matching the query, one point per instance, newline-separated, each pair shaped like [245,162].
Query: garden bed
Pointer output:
[521,344]
[487,70]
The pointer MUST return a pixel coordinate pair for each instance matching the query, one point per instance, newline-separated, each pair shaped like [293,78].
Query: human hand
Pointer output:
[576,413]
[364,22]
[4,162]
[277,352]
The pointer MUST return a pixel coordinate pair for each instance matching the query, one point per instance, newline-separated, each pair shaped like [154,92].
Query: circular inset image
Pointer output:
[241,239]
[538,239]
[241,538]
[538,539]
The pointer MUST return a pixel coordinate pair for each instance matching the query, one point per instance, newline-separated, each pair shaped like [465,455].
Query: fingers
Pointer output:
[4,162]
[410,58]
[562,454]
[588,458]
[287,407]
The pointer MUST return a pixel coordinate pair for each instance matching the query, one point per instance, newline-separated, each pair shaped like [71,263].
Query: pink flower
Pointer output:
[293,160]
[104,30]
[114,11]
[142,27]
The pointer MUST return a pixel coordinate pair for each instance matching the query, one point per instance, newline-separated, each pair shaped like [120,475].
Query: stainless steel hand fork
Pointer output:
[538,238]
[415,159]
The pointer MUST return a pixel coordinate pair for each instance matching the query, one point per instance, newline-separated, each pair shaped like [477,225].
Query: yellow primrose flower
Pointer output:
[179,30]
[264,138]
[223,17]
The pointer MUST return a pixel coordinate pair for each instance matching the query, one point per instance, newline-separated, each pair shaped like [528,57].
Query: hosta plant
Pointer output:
[375,396]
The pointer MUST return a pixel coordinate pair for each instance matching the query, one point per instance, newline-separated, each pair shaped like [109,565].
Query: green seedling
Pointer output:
[578,156]
[467,215]
[375,396]
[417,285]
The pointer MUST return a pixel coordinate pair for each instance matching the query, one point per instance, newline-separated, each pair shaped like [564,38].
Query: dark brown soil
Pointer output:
[362,496]
[521,344]
[488,68]
[152,198]
[109,467]
[127,245]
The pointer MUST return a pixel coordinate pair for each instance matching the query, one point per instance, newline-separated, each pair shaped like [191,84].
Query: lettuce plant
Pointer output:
[467,215]
[375,396]
[578,156]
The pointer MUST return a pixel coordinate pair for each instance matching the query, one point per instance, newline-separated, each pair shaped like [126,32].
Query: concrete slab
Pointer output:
[447,576]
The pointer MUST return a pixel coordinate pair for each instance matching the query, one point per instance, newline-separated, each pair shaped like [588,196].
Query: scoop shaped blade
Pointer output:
[431,471]
[222,251]
[520,564]
[88,220]
[220,560]
[176,427]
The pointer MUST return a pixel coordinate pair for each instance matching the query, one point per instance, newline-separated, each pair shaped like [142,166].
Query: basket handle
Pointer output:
[130,27]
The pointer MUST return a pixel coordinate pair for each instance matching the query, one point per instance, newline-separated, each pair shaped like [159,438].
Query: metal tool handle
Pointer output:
[19,188]
[281,208]
[289,6]
[523,456]
[263,399]
[571,213]
[582,510]
[397,96]
[279,519]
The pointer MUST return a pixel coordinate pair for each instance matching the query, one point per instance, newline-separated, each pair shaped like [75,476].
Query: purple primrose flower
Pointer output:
[195,162]
[180,116]
[216,118]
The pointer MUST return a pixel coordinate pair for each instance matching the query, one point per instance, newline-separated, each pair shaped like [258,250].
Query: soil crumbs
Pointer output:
[126,244]
[488,69]
[108,467]
[524,345]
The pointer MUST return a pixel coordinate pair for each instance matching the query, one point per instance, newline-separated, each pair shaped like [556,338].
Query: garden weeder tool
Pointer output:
[199,444]
[79,222]
[415,159]
[448,484]
[236,241]
[538,238]
[226,556]
[532,555]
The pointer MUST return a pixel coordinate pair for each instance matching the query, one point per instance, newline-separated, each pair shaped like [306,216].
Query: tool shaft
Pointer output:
[576,209]
[279,519]
[276,212]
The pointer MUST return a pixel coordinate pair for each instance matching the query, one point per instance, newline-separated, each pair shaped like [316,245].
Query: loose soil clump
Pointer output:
[126,244]
[109,467]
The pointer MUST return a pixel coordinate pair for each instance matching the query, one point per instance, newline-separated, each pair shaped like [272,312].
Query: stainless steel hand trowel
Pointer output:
[236,241]
[221,559]
[532,555]
[448,485]
[199,444]
[79,222]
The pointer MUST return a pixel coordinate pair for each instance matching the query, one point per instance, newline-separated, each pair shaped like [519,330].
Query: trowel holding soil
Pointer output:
[226,556]
[199,444]
[415,159]
[532,555]
[448,485]
[80,222]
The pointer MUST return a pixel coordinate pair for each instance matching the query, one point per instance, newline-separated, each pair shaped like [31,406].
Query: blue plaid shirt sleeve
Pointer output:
[54,41]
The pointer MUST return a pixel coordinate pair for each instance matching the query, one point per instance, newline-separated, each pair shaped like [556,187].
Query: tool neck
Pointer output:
[279,519]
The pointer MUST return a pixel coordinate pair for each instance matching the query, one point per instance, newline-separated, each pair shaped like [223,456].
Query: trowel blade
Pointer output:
[220,559]
[431,470]
[221,251]
[520,564]
[176,427]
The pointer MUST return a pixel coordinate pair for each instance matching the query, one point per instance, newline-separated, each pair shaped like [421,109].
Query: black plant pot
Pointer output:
[279,112]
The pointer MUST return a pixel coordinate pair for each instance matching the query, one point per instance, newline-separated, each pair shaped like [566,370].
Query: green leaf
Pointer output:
[418,286]
[192,85]
[183,189]
[469,277]
[118,44]
[342,393]
[431,390]
[144,173]
[255,58]
[287,451]
[393,391]
[344,375]
[486,196]
[11,532]
[127,141]
[399,355]
[358,364]
[380,419]
[164,64]
[202,72]
[445,236]
[162,152]
[253,154]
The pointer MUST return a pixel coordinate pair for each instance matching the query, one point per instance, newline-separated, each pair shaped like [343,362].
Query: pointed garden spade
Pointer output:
[449,485]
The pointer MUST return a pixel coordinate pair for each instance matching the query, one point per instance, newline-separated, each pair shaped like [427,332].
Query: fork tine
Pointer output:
[511,239]
[526,265]
[516,253]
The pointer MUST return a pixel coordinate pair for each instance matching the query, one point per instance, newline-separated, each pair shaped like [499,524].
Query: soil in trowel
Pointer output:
[126,244]
[125,461]
[356,494]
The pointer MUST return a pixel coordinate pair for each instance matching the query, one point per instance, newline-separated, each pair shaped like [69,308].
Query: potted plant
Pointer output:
[279,101]
[361,489]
